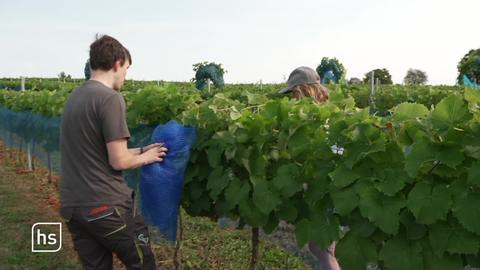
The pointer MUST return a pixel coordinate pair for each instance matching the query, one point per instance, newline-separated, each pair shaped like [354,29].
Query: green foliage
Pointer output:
[367,252]
[87,70]
[388,96]
[46,103]
[405,184]
[37,84]
[158,104]
[383,75]
[469,65]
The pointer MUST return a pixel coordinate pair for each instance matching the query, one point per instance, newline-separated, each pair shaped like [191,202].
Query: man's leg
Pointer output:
[142,241]
[93,255]
[119,229]
[127,236]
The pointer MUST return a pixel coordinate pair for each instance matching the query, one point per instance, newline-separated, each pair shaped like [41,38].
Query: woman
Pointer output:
[305,82]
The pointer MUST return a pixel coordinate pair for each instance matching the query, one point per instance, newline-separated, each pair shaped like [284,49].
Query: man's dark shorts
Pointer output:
[100,230]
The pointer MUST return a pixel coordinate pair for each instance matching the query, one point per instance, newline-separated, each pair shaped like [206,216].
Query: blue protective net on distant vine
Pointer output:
[328,76]
[211,71]
[468,82]
[161,183]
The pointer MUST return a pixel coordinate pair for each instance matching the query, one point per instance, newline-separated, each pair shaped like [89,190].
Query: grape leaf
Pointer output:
[354,253]
[399,254]
[429,203]
[381,210]
[465,209]
[343,176]
[449,113]
[408,111]
[344,200]
[265,196]
[452,238]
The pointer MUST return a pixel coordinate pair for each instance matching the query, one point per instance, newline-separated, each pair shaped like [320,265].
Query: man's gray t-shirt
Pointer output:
[93,115]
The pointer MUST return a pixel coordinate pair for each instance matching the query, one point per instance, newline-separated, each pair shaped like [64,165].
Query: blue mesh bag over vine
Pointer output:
[161,183]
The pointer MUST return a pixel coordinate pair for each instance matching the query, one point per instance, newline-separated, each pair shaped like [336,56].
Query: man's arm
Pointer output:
[134,151]
[137,151]
[121,158]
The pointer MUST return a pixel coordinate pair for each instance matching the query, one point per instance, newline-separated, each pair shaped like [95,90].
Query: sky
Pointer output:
[254,40]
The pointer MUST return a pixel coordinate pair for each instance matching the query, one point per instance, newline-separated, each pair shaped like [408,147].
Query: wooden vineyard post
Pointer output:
[4,137]
[10,139]
[33,151]
[19,153]
[29,157]
[6,148]
[5,162]
[22,84]
[49,161]
[255,244]
[208,85]
[176,255]
[372,92]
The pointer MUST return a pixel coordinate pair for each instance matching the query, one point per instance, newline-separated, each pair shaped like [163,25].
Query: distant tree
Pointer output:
[329,67]
[415,76]
[354,81]
[87,70]
[62,75]
[382,74]
[470,66]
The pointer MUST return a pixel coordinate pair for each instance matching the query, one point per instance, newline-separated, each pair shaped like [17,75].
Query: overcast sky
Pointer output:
[254,40]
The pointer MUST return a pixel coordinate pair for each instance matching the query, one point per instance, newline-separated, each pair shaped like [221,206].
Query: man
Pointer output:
[96,203]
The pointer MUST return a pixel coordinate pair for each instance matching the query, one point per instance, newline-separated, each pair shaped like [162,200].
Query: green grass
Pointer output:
[206,246]
[16,219]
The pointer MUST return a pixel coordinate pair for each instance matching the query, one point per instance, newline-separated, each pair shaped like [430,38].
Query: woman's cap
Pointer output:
[300,75]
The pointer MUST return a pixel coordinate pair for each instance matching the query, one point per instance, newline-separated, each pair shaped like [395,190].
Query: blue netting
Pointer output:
[140,136]
[211,71]
[468,82]
[42,135]
[162,183]
[328,76]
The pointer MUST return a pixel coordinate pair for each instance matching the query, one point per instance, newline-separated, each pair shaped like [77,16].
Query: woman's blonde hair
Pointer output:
[318,92]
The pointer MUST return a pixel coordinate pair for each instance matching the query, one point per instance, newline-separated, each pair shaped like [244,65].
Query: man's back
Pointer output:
[93,116]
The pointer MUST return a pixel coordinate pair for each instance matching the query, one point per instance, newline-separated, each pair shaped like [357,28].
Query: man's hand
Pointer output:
[155,153]
[121,158]
[153,145]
